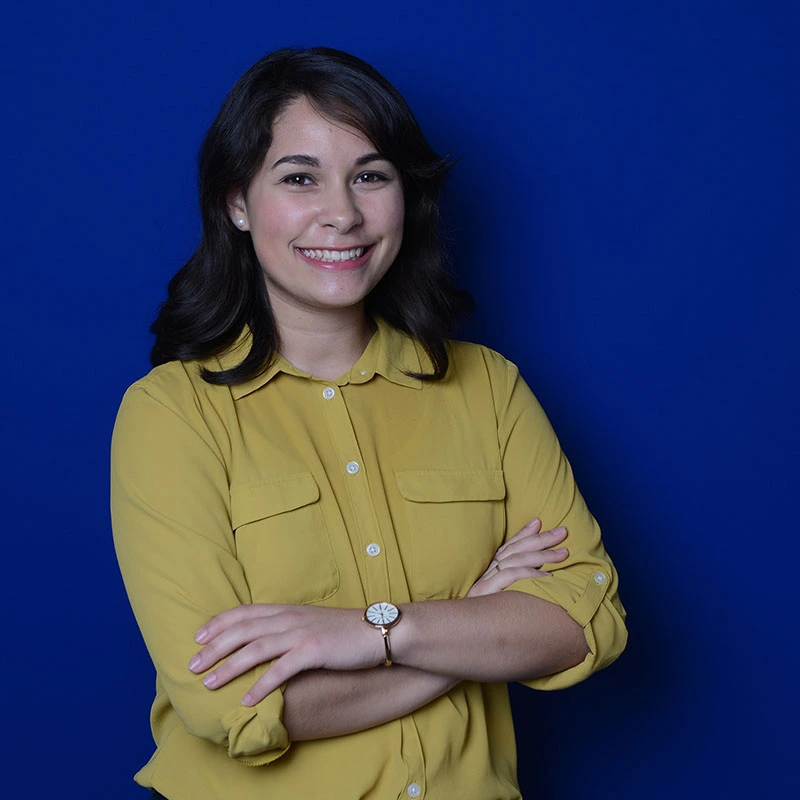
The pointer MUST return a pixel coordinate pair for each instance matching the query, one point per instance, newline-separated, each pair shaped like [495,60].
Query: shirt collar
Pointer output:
[390,353]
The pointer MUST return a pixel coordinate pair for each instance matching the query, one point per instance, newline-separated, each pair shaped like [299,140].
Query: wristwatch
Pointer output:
[383,616]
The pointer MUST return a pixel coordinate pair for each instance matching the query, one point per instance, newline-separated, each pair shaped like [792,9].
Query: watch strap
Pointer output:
[387,646]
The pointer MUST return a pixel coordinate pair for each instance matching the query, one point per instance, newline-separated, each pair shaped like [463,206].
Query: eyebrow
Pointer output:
[310,161]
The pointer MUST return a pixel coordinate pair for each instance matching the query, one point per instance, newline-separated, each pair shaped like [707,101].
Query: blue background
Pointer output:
[625,211]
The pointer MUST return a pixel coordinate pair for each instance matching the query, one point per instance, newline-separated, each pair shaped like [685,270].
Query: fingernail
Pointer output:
[194,663]
[201,635]
[534,521]
[209,680]
[560,550]
[560,529]
[247,700]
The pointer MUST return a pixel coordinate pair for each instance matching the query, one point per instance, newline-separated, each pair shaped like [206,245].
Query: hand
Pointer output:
[297,637]
[522,556]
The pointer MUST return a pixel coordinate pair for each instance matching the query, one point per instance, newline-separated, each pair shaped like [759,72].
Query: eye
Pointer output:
[371,177]
[297,180]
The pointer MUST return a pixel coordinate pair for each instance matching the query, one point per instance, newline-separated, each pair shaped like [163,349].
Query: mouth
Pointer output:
[331,259]
[333,256]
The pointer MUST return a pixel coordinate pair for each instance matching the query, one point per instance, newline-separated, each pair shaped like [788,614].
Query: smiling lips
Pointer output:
[350,258]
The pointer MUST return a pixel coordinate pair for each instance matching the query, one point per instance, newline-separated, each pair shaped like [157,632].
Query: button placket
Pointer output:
[366,528]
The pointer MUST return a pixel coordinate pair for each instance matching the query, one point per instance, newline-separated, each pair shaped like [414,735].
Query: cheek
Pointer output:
[400,216]
[277,223]
[395,219]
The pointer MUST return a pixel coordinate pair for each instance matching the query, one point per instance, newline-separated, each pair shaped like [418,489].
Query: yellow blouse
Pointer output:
[376,486]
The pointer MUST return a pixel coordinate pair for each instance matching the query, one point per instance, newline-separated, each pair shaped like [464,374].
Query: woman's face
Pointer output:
[325,213]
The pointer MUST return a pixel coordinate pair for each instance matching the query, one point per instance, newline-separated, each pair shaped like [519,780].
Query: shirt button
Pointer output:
[373,549]
[599,577]
[352,467]
[413,790]
[363,372]
[328,393]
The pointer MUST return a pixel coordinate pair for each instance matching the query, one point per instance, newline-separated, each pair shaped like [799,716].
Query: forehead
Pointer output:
[301,129]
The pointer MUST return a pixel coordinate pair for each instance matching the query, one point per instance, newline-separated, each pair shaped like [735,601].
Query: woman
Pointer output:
[339,520]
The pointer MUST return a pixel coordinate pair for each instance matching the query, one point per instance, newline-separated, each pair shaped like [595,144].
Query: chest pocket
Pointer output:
[454,523]
[282,541]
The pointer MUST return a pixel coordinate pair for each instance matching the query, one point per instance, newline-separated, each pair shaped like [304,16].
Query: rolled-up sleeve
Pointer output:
[539,482]
[170,507]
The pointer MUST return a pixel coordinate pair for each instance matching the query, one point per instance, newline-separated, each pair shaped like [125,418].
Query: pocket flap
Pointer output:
[253,501]
[451,485]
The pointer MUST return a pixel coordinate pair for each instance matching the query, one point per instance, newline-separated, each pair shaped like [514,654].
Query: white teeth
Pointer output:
[333,256]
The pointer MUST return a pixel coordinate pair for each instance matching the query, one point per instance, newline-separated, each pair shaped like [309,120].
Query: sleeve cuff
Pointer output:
[589,597]
[256,735]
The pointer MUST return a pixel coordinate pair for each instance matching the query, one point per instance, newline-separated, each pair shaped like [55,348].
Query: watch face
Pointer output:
[382,613]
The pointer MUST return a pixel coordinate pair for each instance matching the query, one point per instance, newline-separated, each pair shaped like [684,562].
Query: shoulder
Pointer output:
[179,382]
[476,361]
[171,382]
[481,371]
[176,388]
[172,409]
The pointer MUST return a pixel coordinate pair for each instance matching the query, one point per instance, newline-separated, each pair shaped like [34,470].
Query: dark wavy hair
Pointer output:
[221,288]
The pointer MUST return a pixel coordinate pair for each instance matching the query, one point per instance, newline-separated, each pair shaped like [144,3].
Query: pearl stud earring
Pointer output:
[240,223]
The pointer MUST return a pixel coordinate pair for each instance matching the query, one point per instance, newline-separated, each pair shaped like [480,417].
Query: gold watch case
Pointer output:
[383,616]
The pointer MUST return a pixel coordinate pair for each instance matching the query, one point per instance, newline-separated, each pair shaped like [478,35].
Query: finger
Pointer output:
[538,541]
[530,557]
[490,570]
[278,673]
[529,529]
[533,558]
[236,637]
[534,561]
[513,570]
[532,528]
[254,654]
[233,616]
[533,542]
[503,579]
[506,577]
[530,547]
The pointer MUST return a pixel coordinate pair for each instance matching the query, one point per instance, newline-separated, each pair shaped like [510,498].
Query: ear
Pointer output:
[237,211]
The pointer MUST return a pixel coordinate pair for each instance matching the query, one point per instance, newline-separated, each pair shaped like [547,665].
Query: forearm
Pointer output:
[324,703]
[500,637]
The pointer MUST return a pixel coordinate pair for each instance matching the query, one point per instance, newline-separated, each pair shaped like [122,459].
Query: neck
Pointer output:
[326,346]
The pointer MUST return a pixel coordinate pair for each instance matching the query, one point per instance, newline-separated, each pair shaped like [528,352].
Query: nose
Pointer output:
[340,210]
